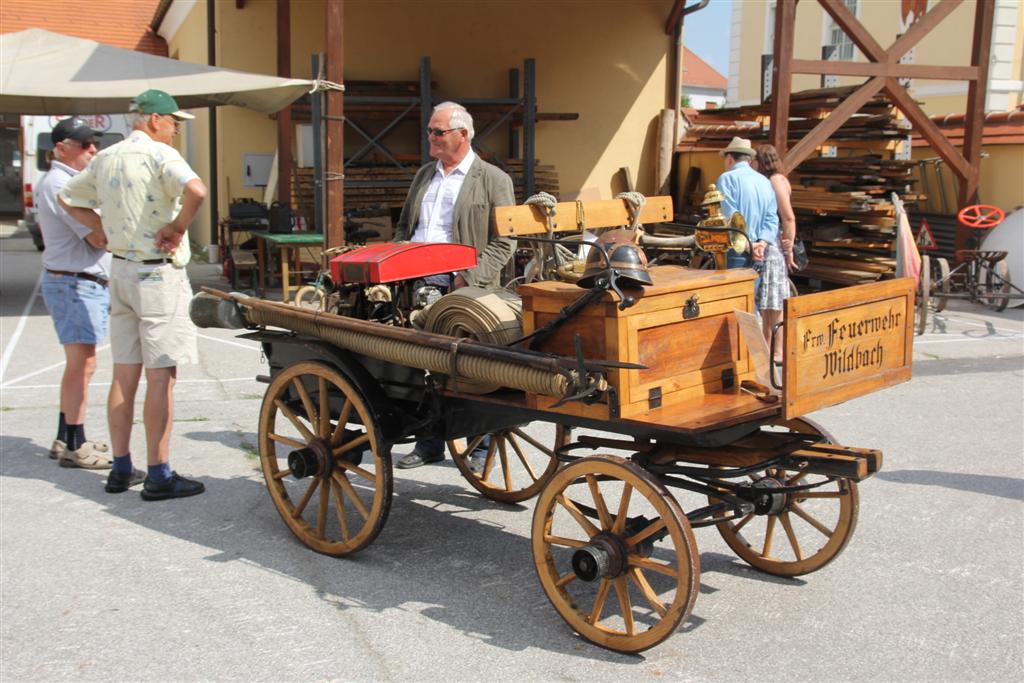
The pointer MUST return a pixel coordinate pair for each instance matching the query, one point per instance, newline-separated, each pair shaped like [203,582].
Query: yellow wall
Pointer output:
[1000,183]
[189,45]
[597,59]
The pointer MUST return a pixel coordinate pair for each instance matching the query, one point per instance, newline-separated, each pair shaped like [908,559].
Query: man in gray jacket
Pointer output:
[453,200]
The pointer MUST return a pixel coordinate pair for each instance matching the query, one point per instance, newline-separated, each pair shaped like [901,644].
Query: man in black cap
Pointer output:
[76,270]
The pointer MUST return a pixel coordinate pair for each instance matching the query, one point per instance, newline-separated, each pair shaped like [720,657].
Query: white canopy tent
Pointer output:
[42,72]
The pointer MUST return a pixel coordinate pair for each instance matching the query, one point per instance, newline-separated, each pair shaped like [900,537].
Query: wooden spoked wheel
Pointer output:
[940,283]
[322,459]
[311,297]
[614,553]
[795,533]
[517,465]
[997,281]
[924,287]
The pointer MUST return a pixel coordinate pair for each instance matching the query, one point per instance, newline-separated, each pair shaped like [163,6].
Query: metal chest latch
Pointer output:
[692,308]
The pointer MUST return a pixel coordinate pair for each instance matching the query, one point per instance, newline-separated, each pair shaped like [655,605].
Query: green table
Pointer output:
[290,245]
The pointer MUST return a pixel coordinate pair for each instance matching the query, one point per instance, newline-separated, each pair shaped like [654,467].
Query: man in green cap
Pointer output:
[147,196]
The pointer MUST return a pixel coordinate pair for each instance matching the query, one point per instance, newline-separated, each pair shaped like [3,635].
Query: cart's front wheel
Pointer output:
[516,465]
[941,285]
[794,533]
[322,459]
[615,553]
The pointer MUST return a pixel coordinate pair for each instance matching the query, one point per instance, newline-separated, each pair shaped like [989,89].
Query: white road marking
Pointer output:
[9,351]
[232,343]
[141,383]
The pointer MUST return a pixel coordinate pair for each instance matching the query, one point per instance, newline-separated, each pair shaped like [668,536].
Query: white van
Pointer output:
[38,149]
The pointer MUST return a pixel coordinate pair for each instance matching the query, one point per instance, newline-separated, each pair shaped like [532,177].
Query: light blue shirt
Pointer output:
[750,193]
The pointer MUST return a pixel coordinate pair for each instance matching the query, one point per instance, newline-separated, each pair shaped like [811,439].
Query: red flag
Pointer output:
[908,258]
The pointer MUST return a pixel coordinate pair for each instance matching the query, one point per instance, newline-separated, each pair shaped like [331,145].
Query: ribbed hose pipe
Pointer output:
[468,373]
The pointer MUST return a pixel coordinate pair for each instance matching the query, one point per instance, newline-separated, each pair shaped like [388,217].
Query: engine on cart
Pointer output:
[393,282]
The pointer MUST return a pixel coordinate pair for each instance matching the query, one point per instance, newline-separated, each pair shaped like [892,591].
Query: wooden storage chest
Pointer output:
[682,328]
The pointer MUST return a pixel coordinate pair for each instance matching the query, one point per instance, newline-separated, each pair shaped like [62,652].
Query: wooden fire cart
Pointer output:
[608,406]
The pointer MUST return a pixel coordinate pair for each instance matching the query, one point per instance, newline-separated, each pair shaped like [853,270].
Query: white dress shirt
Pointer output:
[435,224]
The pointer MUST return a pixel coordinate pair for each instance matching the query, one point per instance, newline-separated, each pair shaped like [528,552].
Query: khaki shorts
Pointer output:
[149,320]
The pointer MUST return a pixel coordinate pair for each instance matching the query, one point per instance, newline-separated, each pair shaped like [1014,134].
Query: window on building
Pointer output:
[836,39]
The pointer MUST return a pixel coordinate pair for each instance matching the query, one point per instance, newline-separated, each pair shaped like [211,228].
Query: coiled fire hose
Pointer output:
[491,317]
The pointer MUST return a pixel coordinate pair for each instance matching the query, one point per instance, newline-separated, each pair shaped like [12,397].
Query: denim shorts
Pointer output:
[79,308]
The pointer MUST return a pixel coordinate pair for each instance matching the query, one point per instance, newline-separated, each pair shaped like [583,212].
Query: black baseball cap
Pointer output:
[74,128]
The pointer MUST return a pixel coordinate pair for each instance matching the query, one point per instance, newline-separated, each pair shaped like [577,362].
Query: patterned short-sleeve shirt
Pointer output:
[137,186]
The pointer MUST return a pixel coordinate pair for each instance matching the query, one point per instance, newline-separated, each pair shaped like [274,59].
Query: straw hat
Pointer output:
[739,146]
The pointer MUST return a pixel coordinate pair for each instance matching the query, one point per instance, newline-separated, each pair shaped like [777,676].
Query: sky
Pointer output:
[706,33]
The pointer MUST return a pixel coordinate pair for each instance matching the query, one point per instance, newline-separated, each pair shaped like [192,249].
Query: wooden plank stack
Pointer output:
[367,186]
[842,204]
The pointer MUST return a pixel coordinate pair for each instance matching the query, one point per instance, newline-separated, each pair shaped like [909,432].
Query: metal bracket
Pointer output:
[692,308]
[654,398]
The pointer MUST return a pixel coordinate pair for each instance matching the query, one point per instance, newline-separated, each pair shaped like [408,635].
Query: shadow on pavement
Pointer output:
[986,484]
[966,366]
[434,555]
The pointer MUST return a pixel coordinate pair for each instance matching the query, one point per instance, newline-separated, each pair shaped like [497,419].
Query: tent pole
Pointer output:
[211,58]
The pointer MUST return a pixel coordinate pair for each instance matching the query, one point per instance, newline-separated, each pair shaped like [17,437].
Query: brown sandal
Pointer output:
[59,448]
[88,457]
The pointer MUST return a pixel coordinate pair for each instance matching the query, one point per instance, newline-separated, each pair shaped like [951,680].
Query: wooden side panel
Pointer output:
[846,343]
[703,342]
[530,220]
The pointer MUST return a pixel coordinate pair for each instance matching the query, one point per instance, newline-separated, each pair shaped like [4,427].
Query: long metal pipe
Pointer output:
[475,367]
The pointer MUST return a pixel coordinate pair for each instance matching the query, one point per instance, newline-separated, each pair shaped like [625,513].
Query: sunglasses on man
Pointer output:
[84,144]
[439,132]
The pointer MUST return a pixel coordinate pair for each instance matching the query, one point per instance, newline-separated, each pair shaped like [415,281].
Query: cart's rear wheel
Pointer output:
[803,531]
[517,465]
[940,280]
[322,459]
[923,294]
[614,553]
[997,281]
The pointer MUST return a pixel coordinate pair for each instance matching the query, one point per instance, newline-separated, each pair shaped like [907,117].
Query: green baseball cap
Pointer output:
[158,102]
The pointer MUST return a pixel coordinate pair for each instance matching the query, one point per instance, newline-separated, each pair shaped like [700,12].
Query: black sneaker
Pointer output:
[418,458]
[175,487]
[119,483]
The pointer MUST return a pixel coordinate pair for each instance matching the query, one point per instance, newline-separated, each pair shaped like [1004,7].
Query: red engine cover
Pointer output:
[394,261]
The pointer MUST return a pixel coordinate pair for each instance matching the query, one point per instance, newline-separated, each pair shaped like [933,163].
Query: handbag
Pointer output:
[799,254]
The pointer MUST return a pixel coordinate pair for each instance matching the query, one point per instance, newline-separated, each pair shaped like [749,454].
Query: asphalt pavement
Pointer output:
[106,587]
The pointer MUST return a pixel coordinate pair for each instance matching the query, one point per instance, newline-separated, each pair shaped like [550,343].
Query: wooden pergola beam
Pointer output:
[974,121]
[884,69]
[782,76]
[927,128]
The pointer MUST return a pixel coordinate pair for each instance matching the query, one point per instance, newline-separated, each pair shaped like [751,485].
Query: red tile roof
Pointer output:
[698,73]
[119,23]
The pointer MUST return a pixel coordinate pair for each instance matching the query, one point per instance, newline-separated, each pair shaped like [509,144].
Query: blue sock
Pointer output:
[123,464]
[158,474]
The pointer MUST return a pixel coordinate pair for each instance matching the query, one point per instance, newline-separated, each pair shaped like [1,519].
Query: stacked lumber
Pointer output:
[842,204]
[388,185]
[846,218]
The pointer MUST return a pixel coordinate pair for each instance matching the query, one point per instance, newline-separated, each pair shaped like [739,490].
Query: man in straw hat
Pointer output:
[750,193]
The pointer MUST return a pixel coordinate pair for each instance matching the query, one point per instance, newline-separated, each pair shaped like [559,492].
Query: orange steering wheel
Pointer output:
[980,216]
